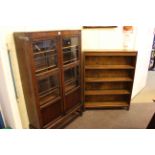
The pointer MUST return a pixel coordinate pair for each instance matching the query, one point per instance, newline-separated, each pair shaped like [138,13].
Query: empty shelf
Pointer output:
[106,92]
[109,67]
[105,104]
[108,79]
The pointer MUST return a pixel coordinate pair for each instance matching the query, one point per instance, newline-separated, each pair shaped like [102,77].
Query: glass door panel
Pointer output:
[70,49]
[44,45]
[45,55]
[48,88]
[70,41]
[71,78]
[70,54]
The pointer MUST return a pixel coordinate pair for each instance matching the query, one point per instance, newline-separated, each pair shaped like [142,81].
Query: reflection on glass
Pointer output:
[71,78]
[44,45]
[70,54]
[70,41]
[48,88]
[45,55]
[45,61]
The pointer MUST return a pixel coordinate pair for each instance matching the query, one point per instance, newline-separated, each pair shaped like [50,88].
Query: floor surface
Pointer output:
[141,111]
[148,93]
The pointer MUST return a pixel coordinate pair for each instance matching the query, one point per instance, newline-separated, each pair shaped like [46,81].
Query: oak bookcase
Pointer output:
[50,70]
[108,78]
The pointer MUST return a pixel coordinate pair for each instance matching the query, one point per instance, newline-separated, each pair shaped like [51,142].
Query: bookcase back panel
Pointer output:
[108,73]
[106,98]
[108,86]
[109,60]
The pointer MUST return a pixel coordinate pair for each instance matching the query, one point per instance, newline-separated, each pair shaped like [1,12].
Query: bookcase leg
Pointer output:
[80,111]
[127,108]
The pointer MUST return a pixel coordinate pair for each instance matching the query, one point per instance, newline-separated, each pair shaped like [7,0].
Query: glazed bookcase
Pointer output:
[50,70]
[108,78]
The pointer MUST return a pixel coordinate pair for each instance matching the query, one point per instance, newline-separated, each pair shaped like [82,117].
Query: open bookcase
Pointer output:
[108,78]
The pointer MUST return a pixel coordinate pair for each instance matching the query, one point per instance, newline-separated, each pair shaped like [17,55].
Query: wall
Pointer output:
[143,44]
[103,38]
[7,96]
[141,40]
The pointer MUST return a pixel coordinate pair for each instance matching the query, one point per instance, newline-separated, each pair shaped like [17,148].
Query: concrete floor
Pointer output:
[148,93]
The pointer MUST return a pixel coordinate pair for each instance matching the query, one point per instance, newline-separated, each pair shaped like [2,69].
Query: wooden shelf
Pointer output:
[47,73]
[108,79]
[48,91]
[71,60]
[64,52]
[116,53]
[45,68]
[71,65]
[70,84]
[72,80]
[109,67]
[70,46]
[106,92]
[106,104]
[46,51]
[51,100]
[75,88]
[69,87]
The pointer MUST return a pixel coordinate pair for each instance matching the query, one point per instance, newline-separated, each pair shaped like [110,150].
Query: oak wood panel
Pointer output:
[106,104]
[109,67]
[107,85]
[40,35]
[108,79]
[108,60]
[109,73]
[106,92]
[117,52]
[51,112]
[71,33]
[107,98]
[72,99]
[62,121]
[25,65]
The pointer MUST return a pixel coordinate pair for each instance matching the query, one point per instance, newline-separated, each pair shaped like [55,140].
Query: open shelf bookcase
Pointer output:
[108,78]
